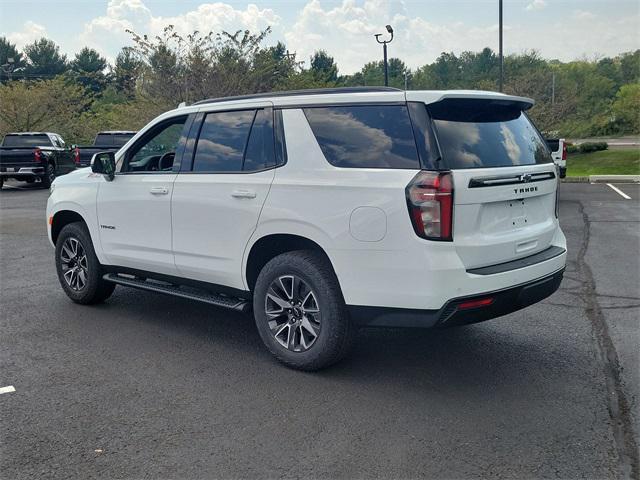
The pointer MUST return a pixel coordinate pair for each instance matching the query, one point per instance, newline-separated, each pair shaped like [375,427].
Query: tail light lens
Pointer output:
[564,151]
[76,155]
[37,155]
[430,202]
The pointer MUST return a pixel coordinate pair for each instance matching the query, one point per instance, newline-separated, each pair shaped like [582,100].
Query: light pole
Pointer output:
[500,44]
[384,52]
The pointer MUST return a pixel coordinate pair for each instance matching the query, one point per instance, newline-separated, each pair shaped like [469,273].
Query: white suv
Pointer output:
[322,211]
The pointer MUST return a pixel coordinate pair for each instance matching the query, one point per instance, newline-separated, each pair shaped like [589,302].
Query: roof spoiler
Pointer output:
[521,103]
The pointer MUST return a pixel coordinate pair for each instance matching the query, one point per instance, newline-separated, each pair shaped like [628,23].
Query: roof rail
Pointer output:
[311,91]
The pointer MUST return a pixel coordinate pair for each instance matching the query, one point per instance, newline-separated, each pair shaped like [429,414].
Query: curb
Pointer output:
[575,180]
[614,178]
[603,179]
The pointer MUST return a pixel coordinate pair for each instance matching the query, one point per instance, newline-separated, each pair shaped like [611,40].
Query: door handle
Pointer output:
[243,194]
[159,190]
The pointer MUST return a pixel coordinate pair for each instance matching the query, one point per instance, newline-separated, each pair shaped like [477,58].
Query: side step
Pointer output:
[219,300]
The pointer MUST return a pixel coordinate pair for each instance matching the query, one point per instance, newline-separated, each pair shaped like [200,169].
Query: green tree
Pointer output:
[44,59]
[8,51]
[626,108]
[88,68]
[42,105]
[630,66]
[126,71]
[323,67]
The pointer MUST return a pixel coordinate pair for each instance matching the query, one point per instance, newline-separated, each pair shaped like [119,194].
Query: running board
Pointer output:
[219,300]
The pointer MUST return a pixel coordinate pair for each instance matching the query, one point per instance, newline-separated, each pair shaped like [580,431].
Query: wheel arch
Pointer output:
[62,218]
[272,245]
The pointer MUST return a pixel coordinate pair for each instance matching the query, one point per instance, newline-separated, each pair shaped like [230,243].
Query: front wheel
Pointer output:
[300,312]
[79,271]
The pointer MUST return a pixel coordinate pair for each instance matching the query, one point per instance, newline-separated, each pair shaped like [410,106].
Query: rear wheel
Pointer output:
[79,271]
[49,175]
[1,182]
[300,313]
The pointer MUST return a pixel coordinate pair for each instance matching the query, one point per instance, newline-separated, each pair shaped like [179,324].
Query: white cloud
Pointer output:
[583,15]
[30,32]
[347,31]
[537,5]
[107,33]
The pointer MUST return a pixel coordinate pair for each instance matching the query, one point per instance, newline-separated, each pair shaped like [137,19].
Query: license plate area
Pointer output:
[518,213]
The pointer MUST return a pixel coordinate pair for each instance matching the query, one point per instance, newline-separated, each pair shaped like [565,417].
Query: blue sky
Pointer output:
[564,29]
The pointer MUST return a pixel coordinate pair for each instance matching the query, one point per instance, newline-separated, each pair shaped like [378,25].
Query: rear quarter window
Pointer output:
[479,134]
[367,136]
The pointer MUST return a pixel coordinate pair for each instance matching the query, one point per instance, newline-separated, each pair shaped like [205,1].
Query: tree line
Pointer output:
[42,89]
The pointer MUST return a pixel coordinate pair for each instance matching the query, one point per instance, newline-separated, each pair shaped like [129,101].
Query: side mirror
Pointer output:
[105,164]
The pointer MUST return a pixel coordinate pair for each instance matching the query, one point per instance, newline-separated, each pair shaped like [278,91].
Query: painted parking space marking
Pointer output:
[617,190]
[8,389]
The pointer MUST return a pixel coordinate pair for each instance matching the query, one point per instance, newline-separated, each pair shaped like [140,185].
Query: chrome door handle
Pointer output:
[243,194]
[159,190]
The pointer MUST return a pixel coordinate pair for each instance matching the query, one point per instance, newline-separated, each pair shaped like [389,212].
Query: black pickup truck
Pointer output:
[110,141]
[31,156]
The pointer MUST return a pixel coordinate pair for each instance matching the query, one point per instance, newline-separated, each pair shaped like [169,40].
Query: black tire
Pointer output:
[336,332]
[94,289]
[1,182]
[49,175]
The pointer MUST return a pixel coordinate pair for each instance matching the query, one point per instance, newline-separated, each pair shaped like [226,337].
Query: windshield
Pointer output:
[26,141]
[476,134]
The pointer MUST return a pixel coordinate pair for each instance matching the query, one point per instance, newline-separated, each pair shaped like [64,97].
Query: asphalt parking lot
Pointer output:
[148,386]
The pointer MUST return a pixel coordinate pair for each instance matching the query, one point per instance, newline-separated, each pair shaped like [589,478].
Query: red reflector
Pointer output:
[76,155]
[37,155]
[482,302]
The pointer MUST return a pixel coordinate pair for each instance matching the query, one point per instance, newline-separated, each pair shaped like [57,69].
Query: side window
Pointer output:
[259,154]
[222,141]
[367,136]
[54,141]
[155,151]
[60,141]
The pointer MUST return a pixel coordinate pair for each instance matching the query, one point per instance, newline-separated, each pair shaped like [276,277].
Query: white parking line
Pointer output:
[8,389]
[617,190]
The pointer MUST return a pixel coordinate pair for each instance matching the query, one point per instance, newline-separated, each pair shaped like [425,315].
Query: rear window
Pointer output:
[26,141]
[477,134]
[120,140]
[109,139]
[367,136]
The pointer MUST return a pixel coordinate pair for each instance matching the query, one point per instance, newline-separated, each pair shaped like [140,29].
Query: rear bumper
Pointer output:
[453,312]
[18,171]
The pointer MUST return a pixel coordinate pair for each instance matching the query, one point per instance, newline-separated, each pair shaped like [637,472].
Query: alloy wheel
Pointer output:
[75,268]
[293,313]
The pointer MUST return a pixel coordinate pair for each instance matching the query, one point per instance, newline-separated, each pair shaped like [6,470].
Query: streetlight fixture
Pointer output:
[384,52]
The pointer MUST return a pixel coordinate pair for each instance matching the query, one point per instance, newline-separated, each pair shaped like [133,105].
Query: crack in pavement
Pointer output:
[618,405]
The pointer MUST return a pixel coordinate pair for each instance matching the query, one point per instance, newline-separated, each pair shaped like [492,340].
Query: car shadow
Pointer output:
[17,187]
[510,353]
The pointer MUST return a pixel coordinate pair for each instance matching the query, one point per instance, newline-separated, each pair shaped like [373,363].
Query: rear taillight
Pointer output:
[37,155]
[76,155]
[564,151]
[430,202]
